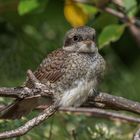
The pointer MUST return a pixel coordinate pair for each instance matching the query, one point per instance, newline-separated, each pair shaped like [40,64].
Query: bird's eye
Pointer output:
[76,38]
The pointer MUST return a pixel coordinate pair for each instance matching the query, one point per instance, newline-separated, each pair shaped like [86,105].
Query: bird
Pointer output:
[71,73]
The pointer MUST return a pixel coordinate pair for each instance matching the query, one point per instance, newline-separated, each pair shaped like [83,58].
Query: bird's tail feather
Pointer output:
[19,108]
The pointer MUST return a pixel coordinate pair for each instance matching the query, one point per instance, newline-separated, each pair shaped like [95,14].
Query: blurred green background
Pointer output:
[30,29]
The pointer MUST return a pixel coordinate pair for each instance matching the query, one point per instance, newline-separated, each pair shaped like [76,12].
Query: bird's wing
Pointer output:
[51,69]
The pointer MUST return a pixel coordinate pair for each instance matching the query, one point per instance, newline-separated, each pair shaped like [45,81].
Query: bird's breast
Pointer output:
[75,96]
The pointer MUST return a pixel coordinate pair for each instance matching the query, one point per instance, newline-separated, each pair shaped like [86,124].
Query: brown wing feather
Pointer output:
[49,70]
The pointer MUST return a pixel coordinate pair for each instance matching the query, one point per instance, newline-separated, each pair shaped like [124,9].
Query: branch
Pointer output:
[111,11]
[30,124]
[137,135]
[18,92]
[105,100]
[52,109]
[97,113]
[23,92]
[101,100]
[11,92]
[32,78]
[113,101]
[103,114]
[135,32]
[116,14]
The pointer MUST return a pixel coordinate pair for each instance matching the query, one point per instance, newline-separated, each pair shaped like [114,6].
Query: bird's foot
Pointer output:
[93,92]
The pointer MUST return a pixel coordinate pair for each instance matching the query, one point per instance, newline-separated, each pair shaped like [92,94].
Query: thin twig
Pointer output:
[137,135]
[115,13]
[104,8]
[135,31]
[93,111]
[32,78]
[102,113]
[30,124]
[98,113]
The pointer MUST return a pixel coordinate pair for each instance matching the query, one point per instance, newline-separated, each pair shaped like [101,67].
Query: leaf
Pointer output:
[74,14]
[89,9]
[130,6]
[104,20]
[25,6]
[110,34]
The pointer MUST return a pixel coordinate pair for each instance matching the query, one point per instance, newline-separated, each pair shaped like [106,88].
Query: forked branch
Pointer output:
[100,100]
[30,124]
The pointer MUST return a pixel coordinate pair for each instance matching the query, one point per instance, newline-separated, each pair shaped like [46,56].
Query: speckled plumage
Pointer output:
[70,73]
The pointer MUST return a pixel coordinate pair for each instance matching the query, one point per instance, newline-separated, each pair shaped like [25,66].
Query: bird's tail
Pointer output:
[19,108]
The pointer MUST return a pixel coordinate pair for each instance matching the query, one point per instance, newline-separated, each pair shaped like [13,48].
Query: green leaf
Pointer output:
[88,8]
[110,34]
[104,20]
[130,6]
[26,6]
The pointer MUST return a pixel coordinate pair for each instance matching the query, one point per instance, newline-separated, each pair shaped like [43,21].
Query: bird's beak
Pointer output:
[87,46]
[88,42]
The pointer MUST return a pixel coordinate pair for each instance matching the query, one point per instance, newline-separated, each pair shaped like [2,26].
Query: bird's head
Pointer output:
[80,39]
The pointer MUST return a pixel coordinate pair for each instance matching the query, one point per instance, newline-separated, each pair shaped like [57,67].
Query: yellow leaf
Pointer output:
[74,14]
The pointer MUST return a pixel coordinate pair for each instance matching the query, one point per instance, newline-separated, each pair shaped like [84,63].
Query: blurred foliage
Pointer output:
[26,6]
[30,29]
